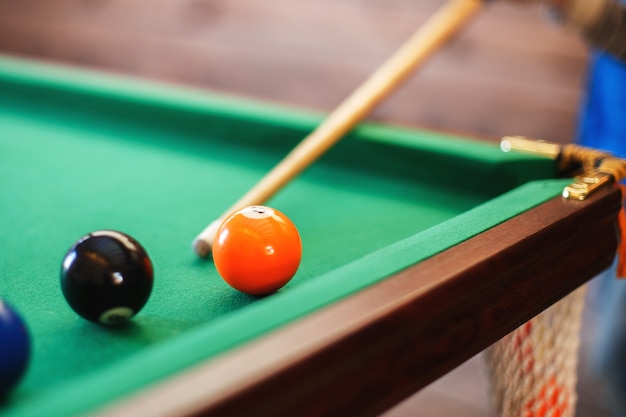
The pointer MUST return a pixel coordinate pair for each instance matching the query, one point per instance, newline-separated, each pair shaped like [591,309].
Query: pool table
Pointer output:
[420,249]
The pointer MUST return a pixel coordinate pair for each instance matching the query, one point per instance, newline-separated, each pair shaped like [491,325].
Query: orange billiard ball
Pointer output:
[257,250]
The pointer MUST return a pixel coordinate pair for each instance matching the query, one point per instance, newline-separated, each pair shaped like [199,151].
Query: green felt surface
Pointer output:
[82,151]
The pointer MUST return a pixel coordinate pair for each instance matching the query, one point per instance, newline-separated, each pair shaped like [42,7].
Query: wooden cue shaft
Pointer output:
[427,39]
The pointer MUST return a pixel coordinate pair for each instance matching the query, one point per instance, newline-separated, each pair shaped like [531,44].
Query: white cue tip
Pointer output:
[203,243]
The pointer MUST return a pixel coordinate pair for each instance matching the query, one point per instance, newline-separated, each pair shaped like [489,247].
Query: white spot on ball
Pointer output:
[257,212]
[116,315]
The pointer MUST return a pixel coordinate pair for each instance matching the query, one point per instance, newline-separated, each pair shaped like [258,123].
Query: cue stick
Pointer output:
[439,27]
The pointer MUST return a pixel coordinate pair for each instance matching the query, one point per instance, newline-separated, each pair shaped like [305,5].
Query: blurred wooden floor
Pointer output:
[509,72]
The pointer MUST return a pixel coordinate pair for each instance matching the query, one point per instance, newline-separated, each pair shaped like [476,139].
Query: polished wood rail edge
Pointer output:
[368,352]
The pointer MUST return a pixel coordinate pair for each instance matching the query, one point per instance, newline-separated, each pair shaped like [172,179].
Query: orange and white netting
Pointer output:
[533,369]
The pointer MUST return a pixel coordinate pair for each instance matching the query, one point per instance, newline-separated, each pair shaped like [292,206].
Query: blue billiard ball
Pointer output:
[14,348]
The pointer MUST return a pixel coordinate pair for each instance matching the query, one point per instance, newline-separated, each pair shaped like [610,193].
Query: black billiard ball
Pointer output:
[14,348]
[107,277]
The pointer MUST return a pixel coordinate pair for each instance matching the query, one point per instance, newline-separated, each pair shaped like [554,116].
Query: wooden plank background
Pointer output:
[509,72]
